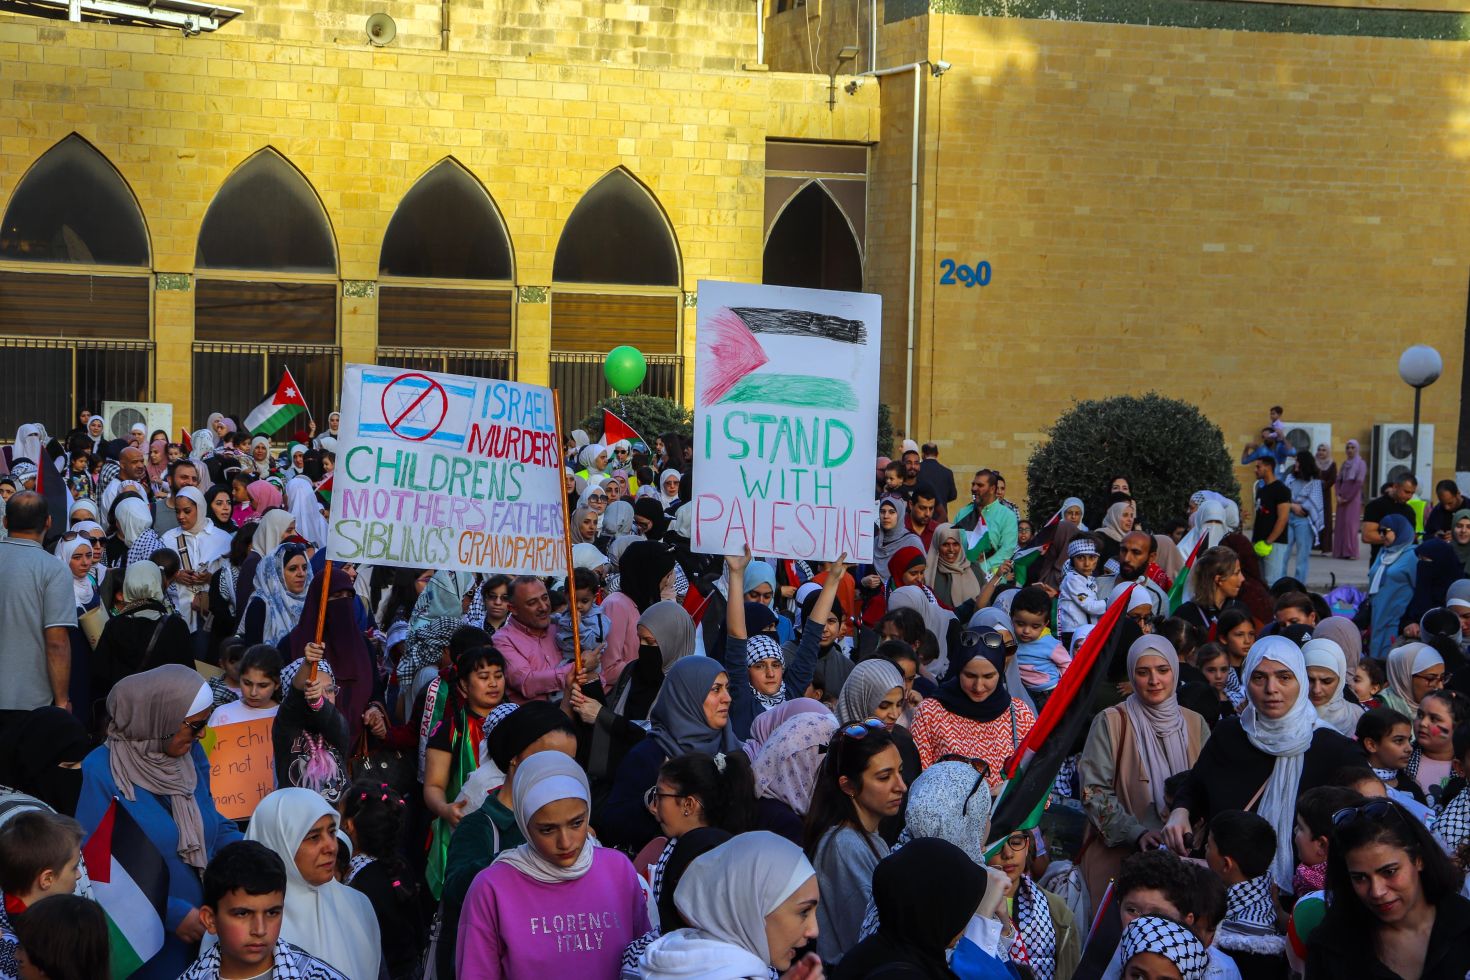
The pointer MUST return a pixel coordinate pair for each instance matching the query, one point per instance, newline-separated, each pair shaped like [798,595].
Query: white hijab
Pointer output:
[82,587]
[725,896]
[1287,738]
[271,531]
[132,519]
[205,542]
[302,502]
[1341,714]
[541,779]
[332,922]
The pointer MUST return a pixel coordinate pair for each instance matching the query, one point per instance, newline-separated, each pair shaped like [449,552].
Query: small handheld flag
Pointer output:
[277,409]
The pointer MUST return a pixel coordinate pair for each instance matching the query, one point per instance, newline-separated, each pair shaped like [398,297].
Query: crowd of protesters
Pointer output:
[676,765]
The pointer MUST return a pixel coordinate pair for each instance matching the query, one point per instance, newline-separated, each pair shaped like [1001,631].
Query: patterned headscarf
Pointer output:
[786,769]
[424,647]
[282,606]
[1151,934]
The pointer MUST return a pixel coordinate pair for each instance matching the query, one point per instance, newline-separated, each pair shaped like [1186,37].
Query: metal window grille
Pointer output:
[50,381]
[233,378]
[582,384]
[499,365]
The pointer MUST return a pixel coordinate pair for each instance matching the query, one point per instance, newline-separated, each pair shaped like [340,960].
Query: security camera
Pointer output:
[939,68]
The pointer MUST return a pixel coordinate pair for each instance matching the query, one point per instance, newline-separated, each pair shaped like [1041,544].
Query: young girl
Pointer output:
[1214,663]
[63,937]
[374,817]
[1387,740]
[226,687]
[309,734]
[1368,679]
[260,684]
[1236,632]
[859,785]
[1432,764]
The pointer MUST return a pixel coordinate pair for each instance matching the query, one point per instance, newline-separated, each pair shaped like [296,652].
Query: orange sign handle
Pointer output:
[566,535]
[321,615]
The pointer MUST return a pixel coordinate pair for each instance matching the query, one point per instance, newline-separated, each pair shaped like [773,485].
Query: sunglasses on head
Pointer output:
[1375,809]
[987,639]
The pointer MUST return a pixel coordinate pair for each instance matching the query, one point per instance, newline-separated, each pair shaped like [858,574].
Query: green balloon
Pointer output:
[625,369]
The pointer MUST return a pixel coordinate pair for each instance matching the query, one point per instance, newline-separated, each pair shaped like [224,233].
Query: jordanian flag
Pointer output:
[1033,768]
[130,882]
[276,411]
[1178,594]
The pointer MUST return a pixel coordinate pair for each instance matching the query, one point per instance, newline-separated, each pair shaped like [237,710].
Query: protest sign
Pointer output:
[443,471]
[242,766]
[785,421]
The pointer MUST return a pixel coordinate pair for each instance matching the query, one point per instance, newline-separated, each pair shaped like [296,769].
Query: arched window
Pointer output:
[265,292]
[74,289]
[615,280]
[811,244]
[445,298]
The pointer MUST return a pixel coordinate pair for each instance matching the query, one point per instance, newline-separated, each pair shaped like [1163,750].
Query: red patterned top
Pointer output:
[938,733]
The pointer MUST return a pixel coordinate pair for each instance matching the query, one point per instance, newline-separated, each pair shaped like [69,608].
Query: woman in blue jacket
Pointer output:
[1391,583]
[152,764]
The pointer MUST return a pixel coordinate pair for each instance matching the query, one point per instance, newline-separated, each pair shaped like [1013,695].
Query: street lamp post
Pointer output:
[1419,367]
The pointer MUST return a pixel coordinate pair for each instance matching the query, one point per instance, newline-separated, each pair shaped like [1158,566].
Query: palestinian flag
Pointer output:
[1022,561]
[978,540]
[186,441]
[324,489]
[694,603]
[614,428]
[1037,760]
[464,747]
[130,882]
[1177,594]
[277,410]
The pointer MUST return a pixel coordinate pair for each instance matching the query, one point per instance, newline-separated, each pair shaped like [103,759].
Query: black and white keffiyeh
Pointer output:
[1452,826]
[1250,902]
[763,646]
[635,949]
[1036,935]
[1151,934]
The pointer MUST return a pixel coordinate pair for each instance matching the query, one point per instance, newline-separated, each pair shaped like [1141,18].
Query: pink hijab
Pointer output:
[264,496]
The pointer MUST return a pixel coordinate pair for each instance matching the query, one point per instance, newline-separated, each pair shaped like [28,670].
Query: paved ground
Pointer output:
[1325,574]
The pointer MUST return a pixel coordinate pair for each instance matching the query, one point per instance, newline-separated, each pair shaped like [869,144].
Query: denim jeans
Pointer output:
[1273,566]
[1299,551]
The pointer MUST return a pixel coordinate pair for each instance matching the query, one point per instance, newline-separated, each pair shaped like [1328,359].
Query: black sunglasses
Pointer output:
[1375,809]
[986,638]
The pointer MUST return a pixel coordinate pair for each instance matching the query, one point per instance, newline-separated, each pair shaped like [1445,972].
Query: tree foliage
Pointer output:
[1167,449]
[886,444]
[650,415]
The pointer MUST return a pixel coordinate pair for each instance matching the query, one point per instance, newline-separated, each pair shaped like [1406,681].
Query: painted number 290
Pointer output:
[968,277]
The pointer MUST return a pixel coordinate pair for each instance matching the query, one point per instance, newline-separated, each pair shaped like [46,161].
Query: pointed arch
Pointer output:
[73,206]
[617,235]
[812,243]
[266,217]
[447,227]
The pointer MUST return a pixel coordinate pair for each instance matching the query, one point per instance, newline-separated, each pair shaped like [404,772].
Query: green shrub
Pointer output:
[1166,448]
[887,446]
[650,415]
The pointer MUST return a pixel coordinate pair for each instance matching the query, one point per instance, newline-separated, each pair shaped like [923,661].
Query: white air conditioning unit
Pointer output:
[1307,435]
[1393,448]
[118,418]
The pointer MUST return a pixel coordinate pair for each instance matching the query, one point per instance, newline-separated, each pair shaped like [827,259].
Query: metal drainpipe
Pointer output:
[908,371]
[444,24]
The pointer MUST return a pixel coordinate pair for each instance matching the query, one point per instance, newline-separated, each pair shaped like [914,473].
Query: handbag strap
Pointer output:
[1255,799]
[153,642]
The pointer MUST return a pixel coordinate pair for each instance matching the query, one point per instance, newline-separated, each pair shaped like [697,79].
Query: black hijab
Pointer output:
[988,644]
[916,923]
[641,571]
[36,745]
[650,509]
[227,526]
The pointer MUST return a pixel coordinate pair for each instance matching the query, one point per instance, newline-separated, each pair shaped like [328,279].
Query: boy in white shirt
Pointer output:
[1078,603]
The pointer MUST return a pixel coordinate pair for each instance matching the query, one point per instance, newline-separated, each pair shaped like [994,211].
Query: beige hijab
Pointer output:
[146,710]
[962,582]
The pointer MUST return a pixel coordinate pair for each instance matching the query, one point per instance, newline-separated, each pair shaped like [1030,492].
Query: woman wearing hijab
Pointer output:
[690,714]
[594,461]
[1131,750]
[203,549]
[665,636]
[1391,584]
[994,618]
[1438,568]
[974,714]
[1327,475]
[134,525]
[1117,524]
[664,879]
[76,554]
[617,522]
[144,634]
[646,576]
[156,464]
[668,487]
[1460,537]
[41,755]
[559,868]
[892,536]
[918,923]
[271,529]
[1328,675]
[948,572]
[1266,757]
[584,526]
[1349,639]
[875,689]
[151,766]
[282,581]
[260,457]
[346,650]
[750,904]
[329,920]
[302,501]
[1414,671]
[1350,480]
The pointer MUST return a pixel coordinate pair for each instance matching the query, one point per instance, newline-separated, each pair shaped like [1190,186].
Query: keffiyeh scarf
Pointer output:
[760,647]
[1036,935]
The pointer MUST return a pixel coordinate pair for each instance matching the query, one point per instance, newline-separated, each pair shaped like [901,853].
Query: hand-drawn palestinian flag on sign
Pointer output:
[733,359]
[130,882]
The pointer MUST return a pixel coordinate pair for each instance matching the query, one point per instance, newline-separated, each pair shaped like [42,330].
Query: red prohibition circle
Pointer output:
[393,423]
